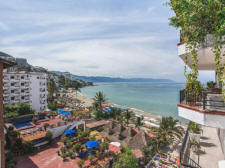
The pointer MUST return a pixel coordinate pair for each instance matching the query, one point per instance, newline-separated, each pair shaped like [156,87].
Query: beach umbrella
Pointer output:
[59,111]
[69,132]
[67,113]
[91,144]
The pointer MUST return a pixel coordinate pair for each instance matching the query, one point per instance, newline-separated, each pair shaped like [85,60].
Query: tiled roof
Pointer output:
[96,124]
[114,149]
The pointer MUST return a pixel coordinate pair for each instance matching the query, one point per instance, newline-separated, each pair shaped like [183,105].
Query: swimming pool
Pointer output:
[21,125]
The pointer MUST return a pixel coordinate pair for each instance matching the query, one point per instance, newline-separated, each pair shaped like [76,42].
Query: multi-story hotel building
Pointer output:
[209,109]
[27,87]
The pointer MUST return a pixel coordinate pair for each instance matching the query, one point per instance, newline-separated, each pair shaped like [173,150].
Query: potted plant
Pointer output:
[45,126]
[211,86]
[64,155]
[80,163]
[34,120]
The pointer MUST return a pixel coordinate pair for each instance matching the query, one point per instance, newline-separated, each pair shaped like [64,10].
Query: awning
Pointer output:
[91,144]
[64,112]
[69,132]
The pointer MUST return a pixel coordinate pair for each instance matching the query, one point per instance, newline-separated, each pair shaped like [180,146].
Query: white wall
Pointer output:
[36,93]
[211,120]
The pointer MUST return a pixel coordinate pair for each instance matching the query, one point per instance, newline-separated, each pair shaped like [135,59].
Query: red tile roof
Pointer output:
[114,149]
[96,124]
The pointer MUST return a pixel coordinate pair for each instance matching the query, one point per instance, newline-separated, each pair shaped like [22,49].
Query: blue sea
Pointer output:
[156,98]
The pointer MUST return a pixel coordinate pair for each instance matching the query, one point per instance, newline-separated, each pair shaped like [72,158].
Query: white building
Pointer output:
[209,109]
[27,87]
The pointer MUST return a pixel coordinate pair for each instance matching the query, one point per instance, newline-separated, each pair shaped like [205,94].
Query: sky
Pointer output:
[116,38]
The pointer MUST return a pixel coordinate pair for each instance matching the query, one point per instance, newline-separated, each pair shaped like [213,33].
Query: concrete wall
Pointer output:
[221,135]
[211,120]
[36,85]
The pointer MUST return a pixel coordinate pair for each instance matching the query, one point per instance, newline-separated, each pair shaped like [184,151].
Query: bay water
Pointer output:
[156,98]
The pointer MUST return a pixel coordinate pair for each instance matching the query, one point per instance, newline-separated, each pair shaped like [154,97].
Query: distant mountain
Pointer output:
[96,79]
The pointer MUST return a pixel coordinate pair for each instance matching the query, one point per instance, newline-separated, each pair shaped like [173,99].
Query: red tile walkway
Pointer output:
[46,158]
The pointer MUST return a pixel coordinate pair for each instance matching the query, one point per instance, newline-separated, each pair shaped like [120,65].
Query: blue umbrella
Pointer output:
[91,144]
[59,111]
[67,113]
[68,132]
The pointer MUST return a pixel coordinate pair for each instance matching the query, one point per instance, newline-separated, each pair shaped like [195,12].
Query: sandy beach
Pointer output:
[87,101]
[149,119]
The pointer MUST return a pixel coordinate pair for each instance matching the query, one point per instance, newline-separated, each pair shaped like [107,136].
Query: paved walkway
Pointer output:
[210,152]
[46,158]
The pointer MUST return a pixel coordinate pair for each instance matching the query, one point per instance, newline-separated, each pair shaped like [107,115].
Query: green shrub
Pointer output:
[80,163]
[48,136]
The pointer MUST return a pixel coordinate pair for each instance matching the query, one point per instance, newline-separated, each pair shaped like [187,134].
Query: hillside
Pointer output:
[96,79]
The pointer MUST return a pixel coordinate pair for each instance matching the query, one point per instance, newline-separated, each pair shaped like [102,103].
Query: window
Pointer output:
[12,98]
[22,77]
[12,91]
[22,97]
[12,84]
[11,77]
[22,84]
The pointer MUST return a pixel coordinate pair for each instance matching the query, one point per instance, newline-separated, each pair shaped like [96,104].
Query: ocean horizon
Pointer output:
[159,99]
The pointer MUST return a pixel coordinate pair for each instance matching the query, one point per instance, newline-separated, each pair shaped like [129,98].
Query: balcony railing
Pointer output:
[206,100]
[185,160]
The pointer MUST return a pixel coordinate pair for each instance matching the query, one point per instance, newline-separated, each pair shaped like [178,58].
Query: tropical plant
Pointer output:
[64,140]
[197,19]
[195,145]
[80,163]
[211,85]
[126,160]
[46,125]
[194,128]
[146,151]
[77,147]
[17,110]
[28,147]
[52,105]
[128,115]
[139,122]
[99,100]
[10,161]
[169,130]
[48,136]
[63,155]
[52,89]
[77,89]
[104,146]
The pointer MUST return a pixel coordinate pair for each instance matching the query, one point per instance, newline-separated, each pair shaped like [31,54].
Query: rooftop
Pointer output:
[97,124]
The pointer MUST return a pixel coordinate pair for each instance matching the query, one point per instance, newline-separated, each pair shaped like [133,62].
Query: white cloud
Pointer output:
[110,40]
[3,27]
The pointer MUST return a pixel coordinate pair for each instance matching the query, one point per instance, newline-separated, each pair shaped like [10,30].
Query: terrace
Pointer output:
[206,109]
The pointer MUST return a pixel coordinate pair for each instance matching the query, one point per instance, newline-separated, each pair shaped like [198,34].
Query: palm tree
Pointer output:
[99,100]
[128,115]
[77,89]
[194,128]
[139,122]
[169,130]
[52,88]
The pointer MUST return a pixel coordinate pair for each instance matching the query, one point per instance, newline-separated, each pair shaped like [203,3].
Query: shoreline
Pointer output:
[149,118]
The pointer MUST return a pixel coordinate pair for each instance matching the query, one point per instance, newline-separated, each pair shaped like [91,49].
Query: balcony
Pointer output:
[207,109]
[205,54]
[6,87]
